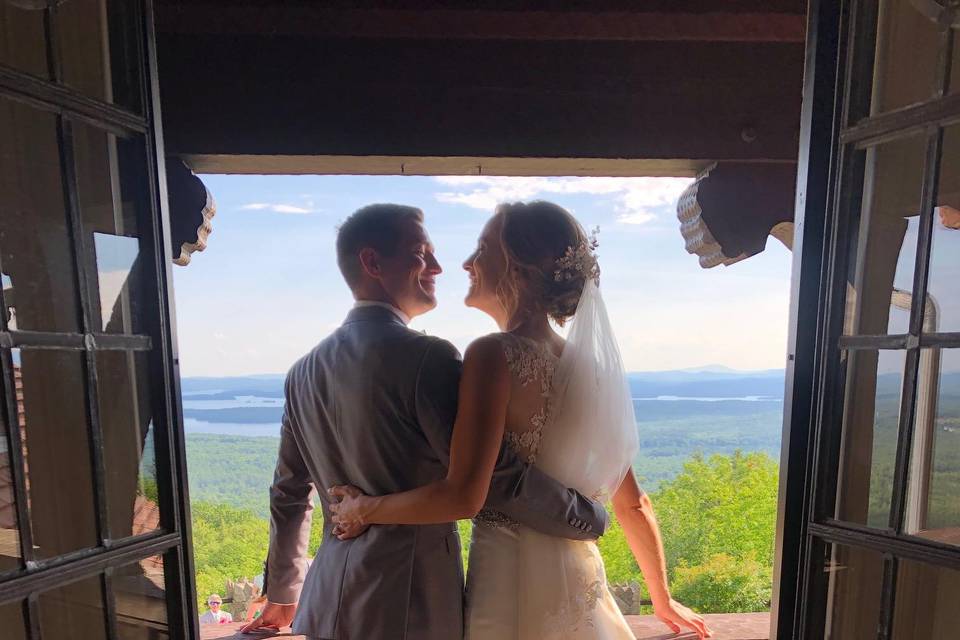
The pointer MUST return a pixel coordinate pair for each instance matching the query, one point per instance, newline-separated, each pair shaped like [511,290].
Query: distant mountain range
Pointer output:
[726,388]
[713,381]
[271,385]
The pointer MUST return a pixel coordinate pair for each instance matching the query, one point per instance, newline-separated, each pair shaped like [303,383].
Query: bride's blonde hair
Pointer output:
[549,258]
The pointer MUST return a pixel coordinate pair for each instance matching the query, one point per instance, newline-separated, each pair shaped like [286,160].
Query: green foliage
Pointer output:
[667,444]
[465,527]
[618,560]
[717,519]
[724,504]
[724,584]
[234,470]
[228,543]
[231,543]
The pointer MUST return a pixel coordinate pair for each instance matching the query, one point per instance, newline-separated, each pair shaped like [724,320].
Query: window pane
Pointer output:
[11,621]
[35,256]
[906,56]
[98,42]
[854,580]
[57,451]
[942,311]
[883,250]
[9,529]
[22,42]
[107,186]
[926,605]
[126,419]
[868,446]
[140,596]
[74,611]
[933,504]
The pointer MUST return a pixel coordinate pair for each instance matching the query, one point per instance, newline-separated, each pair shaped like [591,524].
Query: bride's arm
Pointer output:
[477,435]
[635,512]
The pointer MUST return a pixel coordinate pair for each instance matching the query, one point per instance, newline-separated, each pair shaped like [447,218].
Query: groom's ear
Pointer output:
[370,262]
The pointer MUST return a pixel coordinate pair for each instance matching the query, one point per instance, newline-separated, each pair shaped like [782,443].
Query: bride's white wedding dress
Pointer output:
[570,415]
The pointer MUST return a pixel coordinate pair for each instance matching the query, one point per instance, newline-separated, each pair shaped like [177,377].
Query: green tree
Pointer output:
[228,544]
[717,518]
[231,543]
[721,505]
[724,584]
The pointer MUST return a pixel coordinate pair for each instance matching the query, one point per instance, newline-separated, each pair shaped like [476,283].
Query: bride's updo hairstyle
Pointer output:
[549,258]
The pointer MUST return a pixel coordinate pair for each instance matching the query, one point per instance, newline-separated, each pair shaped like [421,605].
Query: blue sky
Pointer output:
[267,288]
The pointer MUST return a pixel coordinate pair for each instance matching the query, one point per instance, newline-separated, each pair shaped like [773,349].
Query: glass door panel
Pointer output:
[853,579]
[11,621]
[23,42]
[110,188]
[126,419]
[933,499]
[57,451]
[926,602]
[74,611]
[906,56]
[883,251]
[39,278]
[99,53]
[139,592]
[869,438]
[942,308]
[10,554]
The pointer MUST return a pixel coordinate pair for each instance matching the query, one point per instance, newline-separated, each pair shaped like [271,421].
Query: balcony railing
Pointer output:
[726,626]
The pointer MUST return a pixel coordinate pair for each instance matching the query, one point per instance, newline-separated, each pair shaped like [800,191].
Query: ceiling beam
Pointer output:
[442,166]
[460,24]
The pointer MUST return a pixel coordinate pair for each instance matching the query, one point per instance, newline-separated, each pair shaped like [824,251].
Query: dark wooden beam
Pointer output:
[297,96]
[480,24]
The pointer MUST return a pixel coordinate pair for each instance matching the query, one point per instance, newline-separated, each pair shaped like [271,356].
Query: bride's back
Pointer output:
[532,364]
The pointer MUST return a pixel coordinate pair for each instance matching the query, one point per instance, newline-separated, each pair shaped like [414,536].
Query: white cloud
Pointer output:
[636,199]
[275,207]
[636,217]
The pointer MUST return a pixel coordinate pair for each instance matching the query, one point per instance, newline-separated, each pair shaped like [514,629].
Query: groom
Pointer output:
[373,405]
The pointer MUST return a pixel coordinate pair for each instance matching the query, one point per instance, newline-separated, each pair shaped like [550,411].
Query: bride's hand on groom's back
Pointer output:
[348,531]
[677,616]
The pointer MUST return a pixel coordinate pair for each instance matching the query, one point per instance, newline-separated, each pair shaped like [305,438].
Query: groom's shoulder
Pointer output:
[418,345]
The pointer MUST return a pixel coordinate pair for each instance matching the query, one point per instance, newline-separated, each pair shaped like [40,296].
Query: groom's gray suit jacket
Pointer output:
[373,405]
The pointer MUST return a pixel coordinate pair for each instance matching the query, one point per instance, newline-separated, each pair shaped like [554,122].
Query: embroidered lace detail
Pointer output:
[527,441]
[491,518]
[530,361]
[578,612]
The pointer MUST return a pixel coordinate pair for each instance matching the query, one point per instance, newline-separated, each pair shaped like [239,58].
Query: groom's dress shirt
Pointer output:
[373,405]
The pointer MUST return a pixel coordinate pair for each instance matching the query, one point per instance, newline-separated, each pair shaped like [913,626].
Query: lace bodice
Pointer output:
[532,366]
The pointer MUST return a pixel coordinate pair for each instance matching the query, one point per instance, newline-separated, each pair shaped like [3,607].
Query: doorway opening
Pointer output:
[704,350]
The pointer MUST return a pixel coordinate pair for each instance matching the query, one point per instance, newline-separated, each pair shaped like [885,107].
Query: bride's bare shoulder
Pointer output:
[487,351]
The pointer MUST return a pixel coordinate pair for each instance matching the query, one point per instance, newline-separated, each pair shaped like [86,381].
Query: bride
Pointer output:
[561,404]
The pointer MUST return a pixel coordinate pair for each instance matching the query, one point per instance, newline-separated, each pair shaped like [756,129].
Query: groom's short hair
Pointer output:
[378,226]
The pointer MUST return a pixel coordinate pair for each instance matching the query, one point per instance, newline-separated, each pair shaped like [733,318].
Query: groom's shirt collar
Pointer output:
[404,318]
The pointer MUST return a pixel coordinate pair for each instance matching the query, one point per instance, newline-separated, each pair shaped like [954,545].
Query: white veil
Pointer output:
[589,443]
[590,440]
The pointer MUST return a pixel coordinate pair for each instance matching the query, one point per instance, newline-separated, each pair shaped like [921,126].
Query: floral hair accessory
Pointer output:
[580,260]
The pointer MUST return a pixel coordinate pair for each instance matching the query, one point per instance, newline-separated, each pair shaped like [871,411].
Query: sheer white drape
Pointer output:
[589,443]
[590,440]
